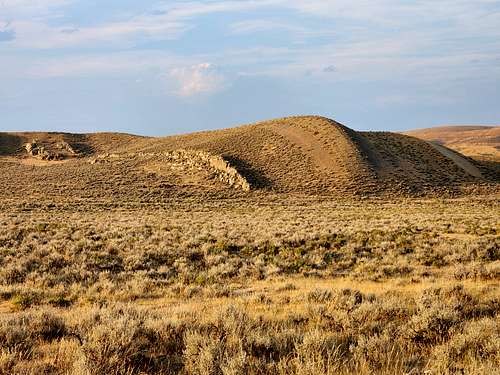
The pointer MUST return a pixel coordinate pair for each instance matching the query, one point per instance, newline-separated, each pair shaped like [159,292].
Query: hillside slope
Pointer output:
[304,155]
[480,142]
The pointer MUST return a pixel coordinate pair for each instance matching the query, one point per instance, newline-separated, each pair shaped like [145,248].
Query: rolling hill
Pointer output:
[298,155]
[480,142]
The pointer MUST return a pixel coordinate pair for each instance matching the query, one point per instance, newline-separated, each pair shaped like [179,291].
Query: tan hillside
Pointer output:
[481,142]
[305,155]
[56,144]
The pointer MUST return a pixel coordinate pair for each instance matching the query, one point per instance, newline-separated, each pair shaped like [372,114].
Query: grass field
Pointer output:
[276,284]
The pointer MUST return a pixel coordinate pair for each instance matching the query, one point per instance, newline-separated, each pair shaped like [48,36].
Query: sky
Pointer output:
[168,67]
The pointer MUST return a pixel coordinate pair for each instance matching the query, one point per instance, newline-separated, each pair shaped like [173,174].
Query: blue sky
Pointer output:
[166,67]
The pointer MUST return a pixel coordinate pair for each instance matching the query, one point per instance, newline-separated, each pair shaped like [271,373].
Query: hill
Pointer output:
[480,142]
[303,155]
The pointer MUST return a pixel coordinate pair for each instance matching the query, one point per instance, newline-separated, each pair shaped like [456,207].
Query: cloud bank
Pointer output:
[204,78]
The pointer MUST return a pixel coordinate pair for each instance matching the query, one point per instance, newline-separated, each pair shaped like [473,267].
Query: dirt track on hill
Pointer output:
[309,144]
[459,160]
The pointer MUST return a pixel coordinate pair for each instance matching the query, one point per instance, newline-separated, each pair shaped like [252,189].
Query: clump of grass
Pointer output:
[320,295]
[479,342]
[24,301]
[60,301]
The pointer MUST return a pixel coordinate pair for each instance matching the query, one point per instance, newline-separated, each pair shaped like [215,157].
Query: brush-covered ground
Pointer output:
[478,142]
[261,285]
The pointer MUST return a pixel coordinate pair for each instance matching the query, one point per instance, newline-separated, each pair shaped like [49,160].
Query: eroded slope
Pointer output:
[304,155]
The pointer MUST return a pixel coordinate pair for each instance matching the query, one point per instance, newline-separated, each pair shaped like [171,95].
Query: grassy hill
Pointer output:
[304,155]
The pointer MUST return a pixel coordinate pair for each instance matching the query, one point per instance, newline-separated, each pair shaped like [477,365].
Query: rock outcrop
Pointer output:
[188,160]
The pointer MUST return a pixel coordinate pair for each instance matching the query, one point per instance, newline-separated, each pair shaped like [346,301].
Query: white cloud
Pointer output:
[39,35]
[7,34]
[198,79]
[190,9]
[113,63]
[259,25]
[372,40]
[164,23]
[170,19]
[14,9]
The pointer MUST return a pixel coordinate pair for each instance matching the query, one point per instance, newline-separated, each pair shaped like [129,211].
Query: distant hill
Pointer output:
[299,155]
[481,142]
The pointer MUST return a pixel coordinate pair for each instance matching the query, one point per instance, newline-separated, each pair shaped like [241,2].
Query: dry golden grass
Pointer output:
[265,285]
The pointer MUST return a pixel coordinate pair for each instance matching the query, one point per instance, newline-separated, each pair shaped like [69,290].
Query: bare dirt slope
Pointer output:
[305,155]
[480,142]
[459,160]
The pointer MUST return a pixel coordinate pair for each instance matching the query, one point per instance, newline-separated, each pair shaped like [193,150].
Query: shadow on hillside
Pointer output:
[256,179]
[10,144]
[79,143]
[489,168]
